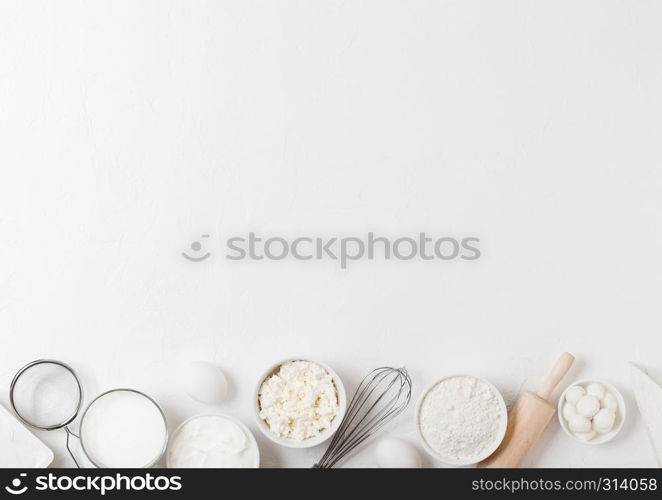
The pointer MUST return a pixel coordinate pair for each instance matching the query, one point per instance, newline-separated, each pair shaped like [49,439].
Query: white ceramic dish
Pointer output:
[490,450]
[307,443]
[19,448]
[620,414]
[243,427]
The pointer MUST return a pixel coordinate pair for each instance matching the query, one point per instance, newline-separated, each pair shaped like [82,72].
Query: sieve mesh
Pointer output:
[46,394]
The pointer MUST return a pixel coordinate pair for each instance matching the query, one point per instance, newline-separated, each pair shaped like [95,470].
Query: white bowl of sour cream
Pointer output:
[213,441]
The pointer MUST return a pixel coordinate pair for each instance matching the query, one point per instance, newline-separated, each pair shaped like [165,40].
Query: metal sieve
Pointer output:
[47,394]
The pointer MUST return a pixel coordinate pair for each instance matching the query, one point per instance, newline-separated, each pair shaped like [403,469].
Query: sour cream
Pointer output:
[213,441]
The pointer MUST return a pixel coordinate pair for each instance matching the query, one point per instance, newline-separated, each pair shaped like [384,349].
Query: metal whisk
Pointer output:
[380,397]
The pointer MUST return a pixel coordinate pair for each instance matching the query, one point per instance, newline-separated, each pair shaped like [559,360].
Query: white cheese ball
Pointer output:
[609,402]
[595,389]
[586,436]
[580,424]
[569,411]
[574,394]
[588,406]
[604,421]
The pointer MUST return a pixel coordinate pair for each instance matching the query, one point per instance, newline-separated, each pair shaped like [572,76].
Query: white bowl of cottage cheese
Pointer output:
[299,403]
[461,419]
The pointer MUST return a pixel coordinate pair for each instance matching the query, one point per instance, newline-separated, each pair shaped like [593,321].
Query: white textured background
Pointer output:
[128,128]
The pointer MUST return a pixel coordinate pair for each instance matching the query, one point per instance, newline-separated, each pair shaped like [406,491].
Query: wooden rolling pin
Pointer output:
[527,419]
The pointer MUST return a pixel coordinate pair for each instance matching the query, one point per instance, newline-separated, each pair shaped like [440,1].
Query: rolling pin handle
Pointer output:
[561,367]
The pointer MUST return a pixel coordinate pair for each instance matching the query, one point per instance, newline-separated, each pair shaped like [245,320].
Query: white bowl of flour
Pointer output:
[461,419]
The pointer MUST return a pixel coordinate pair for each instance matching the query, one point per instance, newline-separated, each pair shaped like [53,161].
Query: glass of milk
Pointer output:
[123,428]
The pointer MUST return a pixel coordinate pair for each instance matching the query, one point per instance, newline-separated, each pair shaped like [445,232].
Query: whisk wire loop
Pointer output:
[381,396]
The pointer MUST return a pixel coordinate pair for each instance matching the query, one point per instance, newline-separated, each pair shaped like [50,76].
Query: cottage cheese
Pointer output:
[299,401]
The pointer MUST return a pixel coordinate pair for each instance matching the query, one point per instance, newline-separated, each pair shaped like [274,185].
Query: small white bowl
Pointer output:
[620,414]
[310,442]
[242,426]
[502,428]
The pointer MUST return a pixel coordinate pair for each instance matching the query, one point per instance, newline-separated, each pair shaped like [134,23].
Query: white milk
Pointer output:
[123,429]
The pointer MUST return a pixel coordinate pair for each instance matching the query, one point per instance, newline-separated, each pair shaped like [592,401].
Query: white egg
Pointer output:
[586,436]
[204,382]
[595,389]
[604,421]
[580,424]
[574,394]
[609,402]
[588,406]
[396,453]
[569,411]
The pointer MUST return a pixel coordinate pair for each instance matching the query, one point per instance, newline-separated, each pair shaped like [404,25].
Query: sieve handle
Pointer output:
[69,434]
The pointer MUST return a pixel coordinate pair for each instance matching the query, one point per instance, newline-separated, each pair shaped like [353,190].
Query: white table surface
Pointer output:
[129,128]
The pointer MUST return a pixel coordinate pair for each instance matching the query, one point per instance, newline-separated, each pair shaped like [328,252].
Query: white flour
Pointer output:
[460,419]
